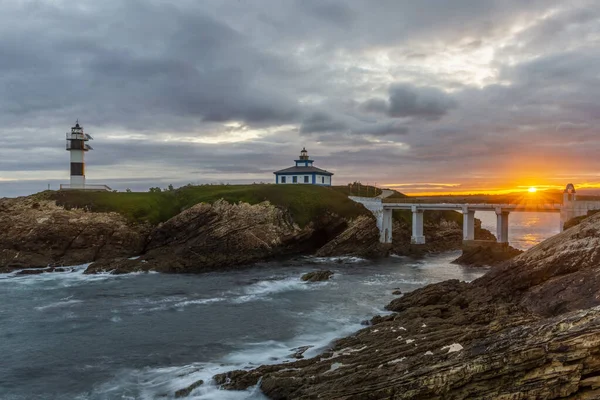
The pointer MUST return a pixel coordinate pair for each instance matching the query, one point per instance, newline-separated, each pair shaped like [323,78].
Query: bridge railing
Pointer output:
[472,201]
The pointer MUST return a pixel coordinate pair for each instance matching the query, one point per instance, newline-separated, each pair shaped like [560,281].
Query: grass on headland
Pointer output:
[304,202]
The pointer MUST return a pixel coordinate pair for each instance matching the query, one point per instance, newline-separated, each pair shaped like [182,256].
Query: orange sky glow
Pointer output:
[439,189]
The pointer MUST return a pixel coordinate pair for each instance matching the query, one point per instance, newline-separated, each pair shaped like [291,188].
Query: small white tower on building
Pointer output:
[77,146]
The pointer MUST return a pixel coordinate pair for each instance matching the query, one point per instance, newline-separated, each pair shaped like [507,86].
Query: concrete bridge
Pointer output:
[570,208]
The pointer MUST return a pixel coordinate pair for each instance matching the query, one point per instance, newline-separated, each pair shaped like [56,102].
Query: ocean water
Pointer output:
[145,336]
[525,229]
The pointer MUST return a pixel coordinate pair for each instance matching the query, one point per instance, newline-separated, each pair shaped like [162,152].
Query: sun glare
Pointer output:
[532,190]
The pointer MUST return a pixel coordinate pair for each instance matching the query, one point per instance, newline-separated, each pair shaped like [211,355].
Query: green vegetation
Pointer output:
[304,202]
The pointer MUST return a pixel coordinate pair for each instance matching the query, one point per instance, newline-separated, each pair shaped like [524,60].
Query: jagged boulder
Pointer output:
[317,276]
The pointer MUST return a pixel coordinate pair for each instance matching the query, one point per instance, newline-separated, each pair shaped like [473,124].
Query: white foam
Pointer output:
[73,276]
[186,303]
[263,290]
[58,304]
[276,286]
[337,260]
[152,383]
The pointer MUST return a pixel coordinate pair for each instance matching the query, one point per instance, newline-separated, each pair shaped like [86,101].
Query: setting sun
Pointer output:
[532,190]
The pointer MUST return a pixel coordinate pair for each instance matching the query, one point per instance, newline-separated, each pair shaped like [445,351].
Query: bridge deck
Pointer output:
[525,207]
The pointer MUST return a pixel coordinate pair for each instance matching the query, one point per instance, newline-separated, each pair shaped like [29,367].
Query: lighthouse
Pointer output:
[77,146]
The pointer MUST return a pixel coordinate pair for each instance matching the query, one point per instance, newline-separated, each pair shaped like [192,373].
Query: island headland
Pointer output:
[202,228]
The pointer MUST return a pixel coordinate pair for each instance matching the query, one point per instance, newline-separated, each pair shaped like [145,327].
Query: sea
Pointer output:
[145,336]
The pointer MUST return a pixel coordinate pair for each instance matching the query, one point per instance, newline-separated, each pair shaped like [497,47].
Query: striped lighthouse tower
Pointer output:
[77,146]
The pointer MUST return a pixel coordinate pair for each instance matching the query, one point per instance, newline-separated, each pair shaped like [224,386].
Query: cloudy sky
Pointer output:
[425,96]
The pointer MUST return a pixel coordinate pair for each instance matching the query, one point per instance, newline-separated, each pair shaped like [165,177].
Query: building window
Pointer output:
[322,179]
[295,179]
[305,179]
[283,179]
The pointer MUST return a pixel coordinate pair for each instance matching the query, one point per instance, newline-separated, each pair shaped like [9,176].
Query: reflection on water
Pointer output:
[525,229]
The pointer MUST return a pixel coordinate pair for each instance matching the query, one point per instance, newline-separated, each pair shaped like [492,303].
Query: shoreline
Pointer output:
[505,334]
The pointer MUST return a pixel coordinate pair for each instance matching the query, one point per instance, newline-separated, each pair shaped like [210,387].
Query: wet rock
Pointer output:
[299,352]
[185,392]
[397,292]
[317,276]
[31,272]
[483,254]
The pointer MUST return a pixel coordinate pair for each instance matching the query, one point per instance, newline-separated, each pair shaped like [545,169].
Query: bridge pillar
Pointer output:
[417,226]
[385,233]
[502,225]
[468,224]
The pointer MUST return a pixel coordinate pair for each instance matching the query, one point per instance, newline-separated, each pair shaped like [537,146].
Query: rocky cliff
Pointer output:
[37,233]
[206,236]
[528,329]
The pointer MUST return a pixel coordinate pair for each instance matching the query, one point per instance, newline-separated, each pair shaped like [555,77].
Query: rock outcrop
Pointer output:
[206,237]
[360,239]
[482,254]
[529,328]
[38,233]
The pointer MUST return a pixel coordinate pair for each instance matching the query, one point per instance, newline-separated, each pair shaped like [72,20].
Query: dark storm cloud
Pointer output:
[419,102]
[318,122]
[408,87]
[196,67]
[411,101]
[384,129]
[375,106]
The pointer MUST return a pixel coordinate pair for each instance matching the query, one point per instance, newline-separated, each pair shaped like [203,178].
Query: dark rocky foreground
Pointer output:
[529,329]
[204,237]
